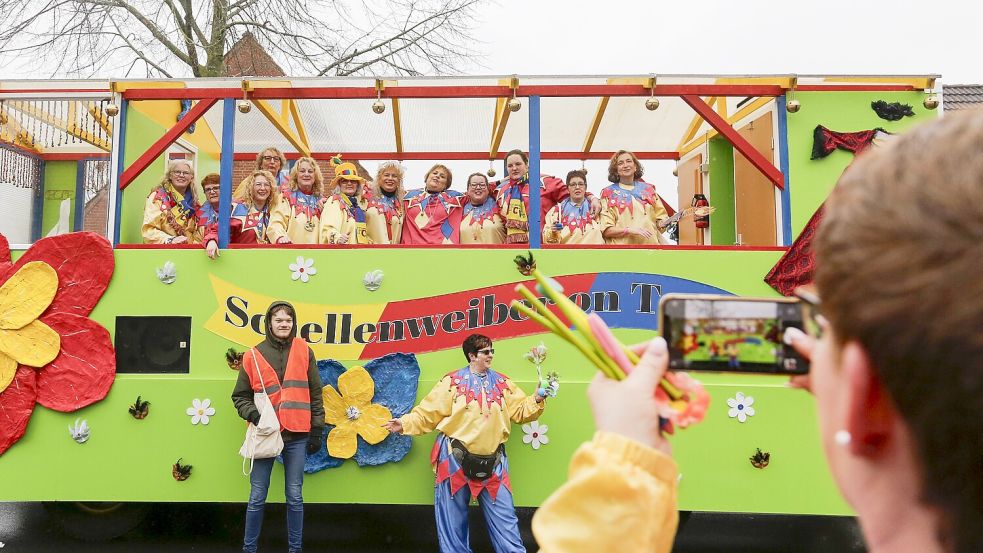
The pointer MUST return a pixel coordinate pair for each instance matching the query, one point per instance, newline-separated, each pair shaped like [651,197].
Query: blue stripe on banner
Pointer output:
[631,300]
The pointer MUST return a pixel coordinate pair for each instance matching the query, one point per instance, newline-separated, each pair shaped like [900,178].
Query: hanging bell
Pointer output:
[931,102]
[675,171]
[793,106]
[491,172]
[515,105]
[652,103]
[112,110]
[378,106]
[244,106]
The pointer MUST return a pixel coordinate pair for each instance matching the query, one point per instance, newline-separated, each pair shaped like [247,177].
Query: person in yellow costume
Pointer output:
[571,221]
[631,210]
[384,217]
[343,219]
[473,409]
[481,220]
[169,215]
[297,217]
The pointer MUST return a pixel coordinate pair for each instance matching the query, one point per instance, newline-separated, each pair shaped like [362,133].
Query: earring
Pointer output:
[842,437]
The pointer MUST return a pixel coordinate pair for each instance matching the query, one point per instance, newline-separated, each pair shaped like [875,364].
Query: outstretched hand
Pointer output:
[394,426]
[628,407]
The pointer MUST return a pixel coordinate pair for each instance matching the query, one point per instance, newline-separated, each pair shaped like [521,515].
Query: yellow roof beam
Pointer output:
[298,122]
[281,121]
[784,82]
[100,118]
[920,83]
[602,105]
[380,85]
[501,119]
[694,125]
[741,114]
[71,128]
[282,125]
[20,137]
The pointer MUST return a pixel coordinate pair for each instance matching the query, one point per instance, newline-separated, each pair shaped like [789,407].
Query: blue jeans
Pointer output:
[294,454]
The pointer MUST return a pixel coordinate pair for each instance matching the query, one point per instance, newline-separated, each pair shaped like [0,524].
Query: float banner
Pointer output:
[420,325]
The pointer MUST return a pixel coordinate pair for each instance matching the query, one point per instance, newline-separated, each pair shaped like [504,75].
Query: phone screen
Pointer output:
[731,334]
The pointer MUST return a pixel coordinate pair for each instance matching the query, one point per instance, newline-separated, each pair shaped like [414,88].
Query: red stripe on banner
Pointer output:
[443,322]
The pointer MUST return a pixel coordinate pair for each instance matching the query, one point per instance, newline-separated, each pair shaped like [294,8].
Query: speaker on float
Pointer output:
[153,344]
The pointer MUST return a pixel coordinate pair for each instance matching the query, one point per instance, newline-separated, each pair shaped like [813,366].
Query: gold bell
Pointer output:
[931,102]
[675,171]
[244,106]
[492,172]
[793,106]
[515,105]
[652,104]
[112,110]
[378,106]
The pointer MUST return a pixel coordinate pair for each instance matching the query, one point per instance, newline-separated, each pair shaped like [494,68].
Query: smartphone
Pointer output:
[731,333]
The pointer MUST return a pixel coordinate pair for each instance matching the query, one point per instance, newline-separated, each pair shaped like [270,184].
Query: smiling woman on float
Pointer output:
[631,210]
[255,198]
[298,217]
[428,209]
[385,212]
[169,215]
[570,221]
[481,222]
[343,220]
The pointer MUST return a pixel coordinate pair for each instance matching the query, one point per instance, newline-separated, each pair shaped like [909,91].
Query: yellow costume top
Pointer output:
[343,215]
[297,216]
[620,496]
[384,219]
[478,411]
[166,216]
[576,226]
[637,206]
[482,224]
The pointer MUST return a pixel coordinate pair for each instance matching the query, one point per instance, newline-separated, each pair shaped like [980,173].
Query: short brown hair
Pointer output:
[576,173]
[613,166]
[474,343]
[210,178]
[446,169]
[898,269]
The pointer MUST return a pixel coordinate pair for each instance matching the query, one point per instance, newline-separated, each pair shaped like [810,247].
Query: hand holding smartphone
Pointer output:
[731,334]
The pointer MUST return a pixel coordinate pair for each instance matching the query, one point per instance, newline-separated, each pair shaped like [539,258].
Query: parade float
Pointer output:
[116,356]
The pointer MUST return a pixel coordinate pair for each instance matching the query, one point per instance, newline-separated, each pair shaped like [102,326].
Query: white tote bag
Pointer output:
[264,440]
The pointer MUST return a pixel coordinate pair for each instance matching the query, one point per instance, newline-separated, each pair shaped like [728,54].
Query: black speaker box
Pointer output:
[153,344]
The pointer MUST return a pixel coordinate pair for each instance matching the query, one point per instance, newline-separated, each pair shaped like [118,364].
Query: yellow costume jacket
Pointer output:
[297,216]
[342,216]
[164,218]
[575,222]
[636,206]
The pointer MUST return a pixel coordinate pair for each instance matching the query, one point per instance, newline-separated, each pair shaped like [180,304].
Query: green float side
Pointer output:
[130,460]
[723,224]
[59,184]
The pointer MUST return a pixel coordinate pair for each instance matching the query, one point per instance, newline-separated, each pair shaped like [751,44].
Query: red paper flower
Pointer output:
[85,367]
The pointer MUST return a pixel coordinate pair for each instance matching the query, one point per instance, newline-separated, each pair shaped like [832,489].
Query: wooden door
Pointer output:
[690,182]
[754,194]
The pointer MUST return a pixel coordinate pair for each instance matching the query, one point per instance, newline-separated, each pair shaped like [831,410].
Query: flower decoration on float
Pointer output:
[534,434]
[303,269]
[373,280]
[760,459]
[180,472]
[168,273]
[50,351]
[200,411]
[740,407]
[79,431]
[140,409]
[682,400]
[351,411]
[234,358]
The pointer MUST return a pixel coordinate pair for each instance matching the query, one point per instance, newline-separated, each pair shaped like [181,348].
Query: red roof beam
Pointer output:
[759,161]
[158,148]
[426,156]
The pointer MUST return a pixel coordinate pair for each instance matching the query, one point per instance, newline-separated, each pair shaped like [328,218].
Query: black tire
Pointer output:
[96,521]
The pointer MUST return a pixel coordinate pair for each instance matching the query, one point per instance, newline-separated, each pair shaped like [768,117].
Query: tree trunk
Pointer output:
[215,52]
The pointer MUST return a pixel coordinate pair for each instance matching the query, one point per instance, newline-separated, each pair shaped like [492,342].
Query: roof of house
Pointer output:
[247,57]
[962,96]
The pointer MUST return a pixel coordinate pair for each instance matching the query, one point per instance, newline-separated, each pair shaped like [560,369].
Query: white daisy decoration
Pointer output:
[535,434]
[740,407]
[200,410]
[303,269]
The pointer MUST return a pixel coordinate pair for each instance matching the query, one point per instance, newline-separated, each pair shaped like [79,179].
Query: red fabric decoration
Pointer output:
[824,141]
[16,405]
[85,368]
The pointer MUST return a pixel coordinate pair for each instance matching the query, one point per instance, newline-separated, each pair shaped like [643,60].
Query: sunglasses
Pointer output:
[810,311]
[487,351]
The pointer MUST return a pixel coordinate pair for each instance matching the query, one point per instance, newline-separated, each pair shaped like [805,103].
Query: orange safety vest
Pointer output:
[292,398]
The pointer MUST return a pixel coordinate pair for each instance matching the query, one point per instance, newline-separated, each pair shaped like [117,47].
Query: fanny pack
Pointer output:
[476,467]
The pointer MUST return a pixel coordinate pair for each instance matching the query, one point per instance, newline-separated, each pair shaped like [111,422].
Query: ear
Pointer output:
[871,417]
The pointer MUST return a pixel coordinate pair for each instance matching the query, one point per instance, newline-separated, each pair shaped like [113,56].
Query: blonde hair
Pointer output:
[318,177]
[244,194]
[279,154]
[171,165]
[390,166]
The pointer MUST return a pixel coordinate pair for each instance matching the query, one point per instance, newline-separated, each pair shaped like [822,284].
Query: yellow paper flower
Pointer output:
[24,339]
[353,413]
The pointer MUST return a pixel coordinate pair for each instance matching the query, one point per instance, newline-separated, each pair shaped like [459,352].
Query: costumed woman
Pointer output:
[272,159]
[631,210]
[289,372]
[297,219]
[570,221]
[384,217]
[169,215]
[481,221]
[429,212]
[473,409]
[343,219]
[513,197]
[207,214]
[256,196]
